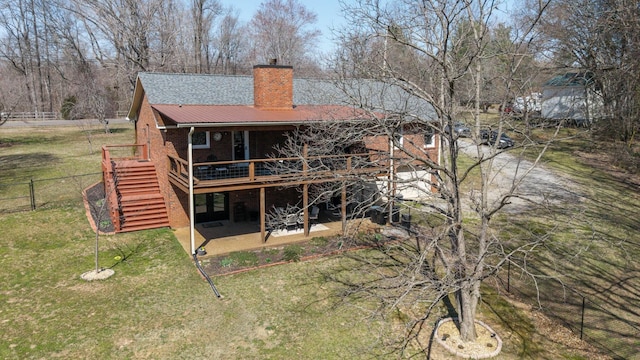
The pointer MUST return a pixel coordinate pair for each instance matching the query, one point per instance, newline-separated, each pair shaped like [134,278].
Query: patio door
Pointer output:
[211,207]
[241,146]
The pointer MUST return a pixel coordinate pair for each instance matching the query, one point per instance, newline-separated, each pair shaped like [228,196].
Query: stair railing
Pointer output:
[108,179]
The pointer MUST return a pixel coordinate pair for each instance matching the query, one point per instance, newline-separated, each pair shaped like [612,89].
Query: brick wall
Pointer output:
[273,87]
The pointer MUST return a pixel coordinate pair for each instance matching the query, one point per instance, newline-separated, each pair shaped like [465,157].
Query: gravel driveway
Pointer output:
[533,185]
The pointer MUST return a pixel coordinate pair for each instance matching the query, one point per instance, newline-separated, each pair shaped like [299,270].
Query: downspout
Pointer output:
[192,224]
[191,210]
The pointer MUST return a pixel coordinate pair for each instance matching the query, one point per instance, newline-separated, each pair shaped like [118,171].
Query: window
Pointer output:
[429,138]
[201,140]
[398,138]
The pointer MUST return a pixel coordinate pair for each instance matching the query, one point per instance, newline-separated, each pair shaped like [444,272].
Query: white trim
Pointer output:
[207,144]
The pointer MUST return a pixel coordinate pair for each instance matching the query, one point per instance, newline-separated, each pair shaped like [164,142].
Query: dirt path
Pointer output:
[532,184]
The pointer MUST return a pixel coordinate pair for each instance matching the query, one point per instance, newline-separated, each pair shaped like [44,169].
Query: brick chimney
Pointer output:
[273,87]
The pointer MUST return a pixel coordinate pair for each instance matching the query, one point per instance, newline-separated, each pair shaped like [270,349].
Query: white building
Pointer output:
[571,96]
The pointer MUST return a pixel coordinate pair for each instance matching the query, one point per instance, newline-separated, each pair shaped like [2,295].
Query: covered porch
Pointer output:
[223,237]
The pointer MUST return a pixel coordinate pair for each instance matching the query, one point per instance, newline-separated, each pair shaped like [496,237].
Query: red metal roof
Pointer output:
[223,114]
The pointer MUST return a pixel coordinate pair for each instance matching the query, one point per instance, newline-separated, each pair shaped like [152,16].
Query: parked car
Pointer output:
[459,129]
[490,137]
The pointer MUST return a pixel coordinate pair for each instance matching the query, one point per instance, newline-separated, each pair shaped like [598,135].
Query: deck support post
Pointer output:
[263,214]
[305,209]
[305,192]
[343,207]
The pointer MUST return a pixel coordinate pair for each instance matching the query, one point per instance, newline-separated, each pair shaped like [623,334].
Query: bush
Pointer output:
[292,253]
[66,110]
[244,258]
[319,241]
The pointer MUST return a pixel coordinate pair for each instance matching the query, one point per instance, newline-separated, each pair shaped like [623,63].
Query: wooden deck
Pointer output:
[223,176]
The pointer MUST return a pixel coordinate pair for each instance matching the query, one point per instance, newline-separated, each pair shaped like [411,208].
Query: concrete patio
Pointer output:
[223,237]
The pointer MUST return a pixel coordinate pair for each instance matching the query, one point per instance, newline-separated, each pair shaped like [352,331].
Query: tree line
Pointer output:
[81,57]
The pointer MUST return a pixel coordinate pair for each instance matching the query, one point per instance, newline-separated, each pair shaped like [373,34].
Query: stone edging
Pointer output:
[495,352]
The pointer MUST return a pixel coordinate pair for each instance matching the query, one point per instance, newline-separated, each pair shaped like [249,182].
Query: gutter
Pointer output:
[249,123]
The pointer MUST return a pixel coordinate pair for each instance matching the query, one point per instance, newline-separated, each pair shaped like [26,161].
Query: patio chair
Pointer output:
[315,211]
[313,216]
[212,158]
[291,221]
[332,208]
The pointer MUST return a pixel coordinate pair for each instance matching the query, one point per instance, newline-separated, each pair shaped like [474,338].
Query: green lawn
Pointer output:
[157,306]
[592,251]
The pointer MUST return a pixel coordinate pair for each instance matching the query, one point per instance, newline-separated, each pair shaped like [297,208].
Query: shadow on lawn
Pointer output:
[18,166]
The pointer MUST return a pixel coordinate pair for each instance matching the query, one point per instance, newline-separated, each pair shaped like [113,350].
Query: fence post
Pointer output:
[582,319]
[32,195]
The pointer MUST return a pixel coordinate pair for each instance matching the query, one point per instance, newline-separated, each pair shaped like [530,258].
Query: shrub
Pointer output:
[292,253]
[319,241]
[244,258]
[226,262]
[68,105]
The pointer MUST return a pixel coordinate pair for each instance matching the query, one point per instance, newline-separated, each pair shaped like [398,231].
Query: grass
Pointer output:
[591,252]
[157,306]
[591,249]
[58,160]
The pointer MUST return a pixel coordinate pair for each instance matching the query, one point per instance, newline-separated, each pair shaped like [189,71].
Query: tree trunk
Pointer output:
[467,301]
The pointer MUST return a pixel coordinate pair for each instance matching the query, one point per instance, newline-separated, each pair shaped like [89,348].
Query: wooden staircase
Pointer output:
[140,205]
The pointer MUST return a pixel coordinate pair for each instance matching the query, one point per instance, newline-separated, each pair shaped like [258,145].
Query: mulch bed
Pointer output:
[98,216]
[317,247]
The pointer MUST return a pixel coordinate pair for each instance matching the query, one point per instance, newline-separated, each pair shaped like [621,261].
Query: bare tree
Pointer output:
[420,55]
[124,33]
[27,47]
[230,43]
[204,13]
[281,30]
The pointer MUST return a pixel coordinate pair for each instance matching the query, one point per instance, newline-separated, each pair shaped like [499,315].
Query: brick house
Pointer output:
[205,143]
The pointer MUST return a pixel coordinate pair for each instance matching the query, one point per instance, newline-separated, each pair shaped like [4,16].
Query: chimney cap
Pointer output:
[273,66]
[273,61]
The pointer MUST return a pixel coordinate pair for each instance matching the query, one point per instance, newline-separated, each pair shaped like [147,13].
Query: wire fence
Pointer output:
[609,319]
[41,193]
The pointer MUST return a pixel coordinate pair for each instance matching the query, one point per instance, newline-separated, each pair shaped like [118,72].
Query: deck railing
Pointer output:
[272,170]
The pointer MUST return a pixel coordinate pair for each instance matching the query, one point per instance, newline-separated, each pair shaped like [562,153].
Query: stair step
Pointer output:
[133,214]
[134,171]
[141,177]
[143,225]
[141,197]
[146,180]
[132,190]
[141,203]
